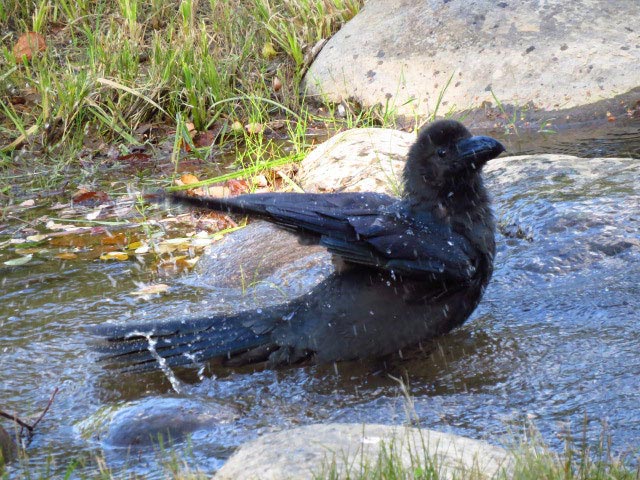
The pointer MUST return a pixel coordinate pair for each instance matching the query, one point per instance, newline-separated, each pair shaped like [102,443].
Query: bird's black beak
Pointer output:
[476,151]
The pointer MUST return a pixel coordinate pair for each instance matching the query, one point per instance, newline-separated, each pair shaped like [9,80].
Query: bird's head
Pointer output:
[445,161]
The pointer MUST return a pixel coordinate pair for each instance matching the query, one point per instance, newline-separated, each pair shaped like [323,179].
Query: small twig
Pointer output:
[46,409]
[16,419]
[24,424]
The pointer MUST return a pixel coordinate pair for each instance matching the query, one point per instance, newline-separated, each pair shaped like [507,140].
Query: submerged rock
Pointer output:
[156,421]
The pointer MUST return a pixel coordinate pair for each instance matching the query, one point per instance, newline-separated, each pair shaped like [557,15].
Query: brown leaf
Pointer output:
[90,198]
[205,139]
[276,84]
[28,45]
[254,128]
[276,124]
[17,100]
[135,156]
[188,179]
[217,191]
[67,256]
[236,187]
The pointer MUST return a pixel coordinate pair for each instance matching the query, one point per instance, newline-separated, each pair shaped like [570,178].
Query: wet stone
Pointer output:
[153,421]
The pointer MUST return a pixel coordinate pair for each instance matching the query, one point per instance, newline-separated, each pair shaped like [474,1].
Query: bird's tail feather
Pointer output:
[183,342]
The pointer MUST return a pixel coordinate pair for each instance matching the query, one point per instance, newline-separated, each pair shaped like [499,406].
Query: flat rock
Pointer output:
[550,55]
[309,451]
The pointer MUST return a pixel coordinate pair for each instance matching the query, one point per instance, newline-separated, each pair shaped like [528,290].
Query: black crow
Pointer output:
[411,268]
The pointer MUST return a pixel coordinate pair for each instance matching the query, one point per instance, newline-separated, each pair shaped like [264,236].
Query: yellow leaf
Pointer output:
[114,256]
[66,256]
[134,245]
[268,51]
[188,179]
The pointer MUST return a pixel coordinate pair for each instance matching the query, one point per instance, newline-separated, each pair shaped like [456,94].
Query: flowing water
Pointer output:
[554,342]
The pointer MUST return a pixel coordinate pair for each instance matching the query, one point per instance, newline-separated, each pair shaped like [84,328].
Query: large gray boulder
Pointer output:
[348,449]
[554,54]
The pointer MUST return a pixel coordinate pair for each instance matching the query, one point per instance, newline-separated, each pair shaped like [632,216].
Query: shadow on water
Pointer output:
[554,340]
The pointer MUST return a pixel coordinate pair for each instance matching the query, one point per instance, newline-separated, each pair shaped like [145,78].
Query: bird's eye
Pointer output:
[442,152]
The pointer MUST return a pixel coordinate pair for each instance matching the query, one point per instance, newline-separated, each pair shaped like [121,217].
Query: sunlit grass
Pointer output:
[110,67]
[185,56]
[531,459]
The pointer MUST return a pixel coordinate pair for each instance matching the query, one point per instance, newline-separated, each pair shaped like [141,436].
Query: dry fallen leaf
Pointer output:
[276,124]
[90,198]
[205,139]
[236,187]
[142,249]
[151,289]
[236,127]
[254,128]
[268,51]
[171,245]
[276,84]
[15,262]
[66,256]
[201,242]
[114,256]
[134,157]
[259,181]
[188,179]
[37,238]
[28,45]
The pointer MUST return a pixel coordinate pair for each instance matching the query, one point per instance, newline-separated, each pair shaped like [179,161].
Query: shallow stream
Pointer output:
[554,344]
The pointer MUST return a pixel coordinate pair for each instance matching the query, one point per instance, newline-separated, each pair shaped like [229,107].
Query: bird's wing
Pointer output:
[406,245]
[368,229]
[308,213]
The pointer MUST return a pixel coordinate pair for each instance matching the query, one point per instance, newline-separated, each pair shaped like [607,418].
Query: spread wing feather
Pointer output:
[369,229]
